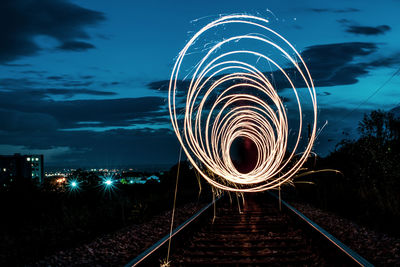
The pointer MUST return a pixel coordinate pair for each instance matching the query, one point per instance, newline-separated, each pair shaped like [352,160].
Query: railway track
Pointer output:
[259,235]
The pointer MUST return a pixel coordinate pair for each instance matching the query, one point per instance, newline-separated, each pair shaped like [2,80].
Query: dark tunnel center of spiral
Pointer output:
[244,154]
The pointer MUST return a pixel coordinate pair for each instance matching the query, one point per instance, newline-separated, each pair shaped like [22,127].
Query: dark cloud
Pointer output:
[352,27]
[70,93]
[391,61]
[65,84]
[16,65]
[40,94]
[68,113]
[76,46]
[67,78]
[334,10]
[36,72]
[56,78]
[333,64]
[105,148]
[25,122]
[342,63]
[368,30]
[159,85]
[110,84]
[331,56]
[21,21]
[31,118]
[344,21]
[74,83]
[26,96]
[329,64]
[12,83]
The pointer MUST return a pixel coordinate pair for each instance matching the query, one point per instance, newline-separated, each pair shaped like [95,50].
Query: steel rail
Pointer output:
[333,240]
[148,252]
[347,252]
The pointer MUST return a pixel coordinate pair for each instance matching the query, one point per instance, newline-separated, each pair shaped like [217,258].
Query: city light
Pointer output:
[59,180]
[108,182]
[73,185]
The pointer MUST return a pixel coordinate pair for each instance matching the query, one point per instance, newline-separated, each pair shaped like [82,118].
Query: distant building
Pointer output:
[19,166]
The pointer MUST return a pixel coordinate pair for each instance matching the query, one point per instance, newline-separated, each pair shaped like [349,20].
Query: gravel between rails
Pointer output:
[378,248]
[120,247]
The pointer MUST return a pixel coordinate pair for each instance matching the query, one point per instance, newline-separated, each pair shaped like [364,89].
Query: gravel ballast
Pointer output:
[120,247]
[378,248]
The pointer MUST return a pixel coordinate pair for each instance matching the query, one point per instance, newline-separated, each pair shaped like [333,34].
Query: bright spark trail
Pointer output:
[228,94]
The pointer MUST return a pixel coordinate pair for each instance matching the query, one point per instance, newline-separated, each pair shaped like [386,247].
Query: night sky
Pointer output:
[83,82]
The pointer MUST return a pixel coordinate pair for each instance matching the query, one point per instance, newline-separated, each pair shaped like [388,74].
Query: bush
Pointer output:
[369,188]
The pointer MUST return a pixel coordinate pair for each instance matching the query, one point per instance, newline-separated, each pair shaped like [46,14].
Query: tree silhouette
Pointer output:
[381,125]
[369,190]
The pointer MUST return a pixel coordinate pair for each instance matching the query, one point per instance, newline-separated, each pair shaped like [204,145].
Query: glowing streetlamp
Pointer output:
[108,182]
[73,185]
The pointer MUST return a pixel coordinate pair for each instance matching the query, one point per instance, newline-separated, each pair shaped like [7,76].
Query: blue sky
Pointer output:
[76,76]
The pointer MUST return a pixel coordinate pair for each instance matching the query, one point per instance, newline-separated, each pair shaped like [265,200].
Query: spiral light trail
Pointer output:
[229,95]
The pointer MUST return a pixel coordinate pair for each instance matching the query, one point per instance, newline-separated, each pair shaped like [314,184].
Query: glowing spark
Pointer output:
[230,97]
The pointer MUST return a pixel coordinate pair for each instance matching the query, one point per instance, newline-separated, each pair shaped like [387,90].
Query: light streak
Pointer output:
[230,97]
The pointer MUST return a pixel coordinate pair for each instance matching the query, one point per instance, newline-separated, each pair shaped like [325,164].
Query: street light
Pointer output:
[73,185]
